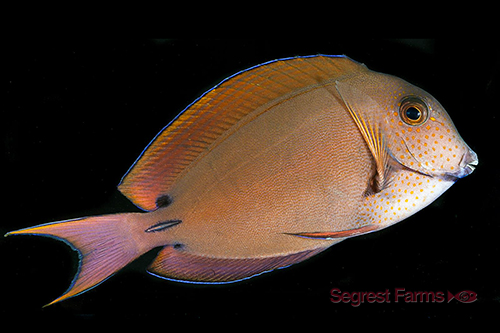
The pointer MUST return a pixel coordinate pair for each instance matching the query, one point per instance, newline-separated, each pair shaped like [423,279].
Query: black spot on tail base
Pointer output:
[163,201]
[160,226]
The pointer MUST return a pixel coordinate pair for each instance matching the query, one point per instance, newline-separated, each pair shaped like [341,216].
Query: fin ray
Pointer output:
[183,266]
[103,248]
[370,130]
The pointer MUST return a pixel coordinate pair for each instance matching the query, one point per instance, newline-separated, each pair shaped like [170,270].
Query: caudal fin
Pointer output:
[103,243]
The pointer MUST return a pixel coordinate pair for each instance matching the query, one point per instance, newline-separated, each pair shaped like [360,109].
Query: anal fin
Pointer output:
[180,265]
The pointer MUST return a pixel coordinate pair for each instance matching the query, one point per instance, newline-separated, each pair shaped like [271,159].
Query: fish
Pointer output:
[270,167]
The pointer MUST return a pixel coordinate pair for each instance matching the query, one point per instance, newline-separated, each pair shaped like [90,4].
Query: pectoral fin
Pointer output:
[361,107]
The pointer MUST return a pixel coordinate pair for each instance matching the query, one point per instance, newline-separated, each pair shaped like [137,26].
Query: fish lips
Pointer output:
[467,164]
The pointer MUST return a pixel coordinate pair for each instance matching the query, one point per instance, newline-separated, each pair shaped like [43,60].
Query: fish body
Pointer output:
[270,167]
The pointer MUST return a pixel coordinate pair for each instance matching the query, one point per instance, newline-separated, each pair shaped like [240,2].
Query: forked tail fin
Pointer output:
[104,246]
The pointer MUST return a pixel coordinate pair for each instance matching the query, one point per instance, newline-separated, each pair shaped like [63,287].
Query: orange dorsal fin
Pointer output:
[218,113]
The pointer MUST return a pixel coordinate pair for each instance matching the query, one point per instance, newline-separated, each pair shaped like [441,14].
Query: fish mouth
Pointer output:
[471,166]
[467,165]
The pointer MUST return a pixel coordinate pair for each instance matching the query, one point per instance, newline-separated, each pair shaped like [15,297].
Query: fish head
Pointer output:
[416,129]
[418,153]
[421,135]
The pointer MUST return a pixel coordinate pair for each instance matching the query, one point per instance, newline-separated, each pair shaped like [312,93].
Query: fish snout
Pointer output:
[467,163]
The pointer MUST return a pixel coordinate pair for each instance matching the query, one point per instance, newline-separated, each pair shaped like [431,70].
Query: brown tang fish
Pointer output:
[270,167]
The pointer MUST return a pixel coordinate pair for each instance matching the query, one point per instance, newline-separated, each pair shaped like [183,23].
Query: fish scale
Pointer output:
[270,167]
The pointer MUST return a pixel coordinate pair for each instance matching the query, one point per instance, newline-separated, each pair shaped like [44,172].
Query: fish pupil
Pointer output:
[413,113]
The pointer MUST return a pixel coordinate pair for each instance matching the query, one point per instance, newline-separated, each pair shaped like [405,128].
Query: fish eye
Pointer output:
[413,111]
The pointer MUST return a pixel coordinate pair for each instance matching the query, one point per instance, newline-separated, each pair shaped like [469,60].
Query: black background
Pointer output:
[77,113]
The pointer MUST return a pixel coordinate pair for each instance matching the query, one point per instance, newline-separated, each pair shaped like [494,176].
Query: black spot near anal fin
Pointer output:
[178,246]
[163,201]
[160,226]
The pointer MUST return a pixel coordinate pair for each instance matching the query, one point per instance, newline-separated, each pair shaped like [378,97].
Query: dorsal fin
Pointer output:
[227,106]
